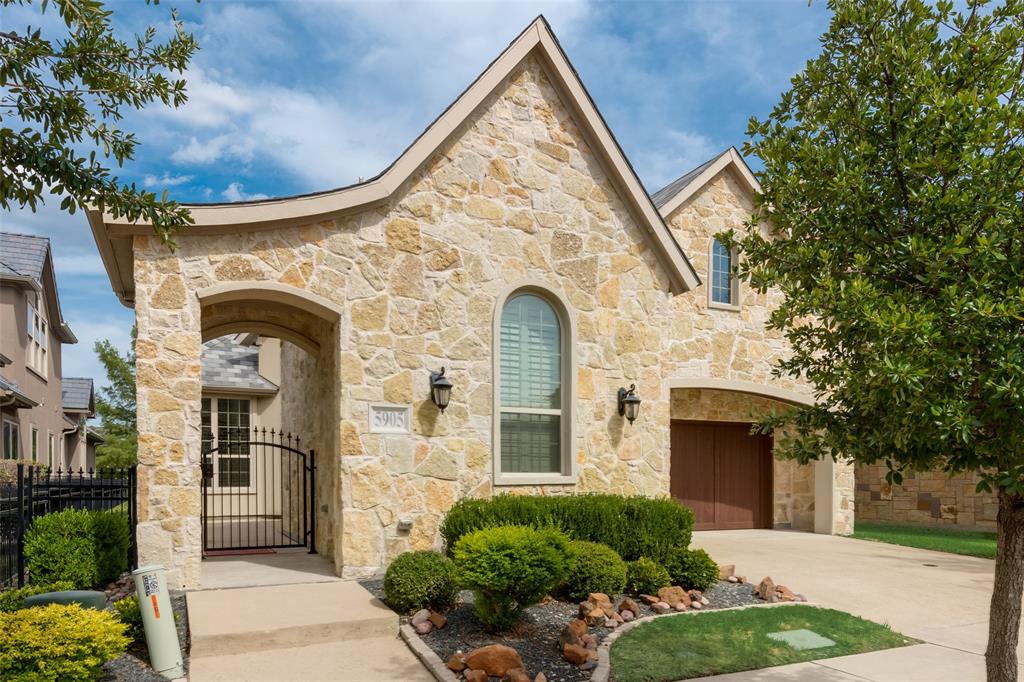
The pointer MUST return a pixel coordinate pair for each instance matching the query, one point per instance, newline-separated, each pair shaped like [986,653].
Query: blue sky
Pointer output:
[292,97]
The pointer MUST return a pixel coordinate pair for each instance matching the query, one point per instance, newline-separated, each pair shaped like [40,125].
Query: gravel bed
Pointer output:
[536,635]
[133,665]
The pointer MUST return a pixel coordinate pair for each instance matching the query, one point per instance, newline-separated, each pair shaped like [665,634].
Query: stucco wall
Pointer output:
[926,498]
[515,195]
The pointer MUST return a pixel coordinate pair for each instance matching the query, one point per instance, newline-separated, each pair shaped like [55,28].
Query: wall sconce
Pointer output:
[440,390]
[629,404]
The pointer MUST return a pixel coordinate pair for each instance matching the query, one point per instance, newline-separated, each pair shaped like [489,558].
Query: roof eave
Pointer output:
[728,159]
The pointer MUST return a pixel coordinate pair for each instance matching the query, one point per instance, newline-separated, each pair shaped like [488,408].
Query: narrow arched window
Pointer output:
[532,429]
[723,283]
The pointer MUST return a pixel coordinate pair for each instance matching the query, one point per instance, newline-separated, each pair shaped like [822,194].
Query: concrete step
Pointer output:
[255,619]
[378,659]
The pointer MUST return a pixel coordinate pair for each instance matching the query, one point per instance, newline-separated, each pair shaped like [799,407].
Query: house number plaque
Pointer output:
[389,418]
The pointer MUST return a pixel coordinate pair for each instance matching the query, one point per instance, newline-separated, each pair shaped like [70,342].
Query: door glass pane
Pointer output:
[530,443]
[530,354]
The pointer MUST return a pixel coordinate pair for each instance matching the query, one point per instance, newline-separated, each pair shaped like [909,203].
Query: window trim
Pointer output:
[734,281]
[217,489]
[16,430]
[37,348]
[570,467]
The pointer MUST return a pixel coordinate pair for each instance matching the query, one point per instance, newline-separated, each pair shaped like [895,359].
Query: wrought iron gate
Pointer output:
[259,492]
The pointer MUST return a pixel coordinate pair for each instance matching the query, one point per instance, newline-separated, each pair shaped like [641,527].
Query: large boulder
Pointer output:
[673,596]
[766,588]
[576,654]
[494,659]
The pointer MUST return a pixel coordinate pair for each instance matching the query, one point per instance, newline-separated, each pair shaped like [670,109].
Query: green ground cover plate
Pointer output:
[801,640]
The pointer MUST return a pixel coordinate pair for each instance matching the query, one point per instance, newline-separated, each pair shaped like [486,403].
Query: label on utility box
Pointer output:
[151,585]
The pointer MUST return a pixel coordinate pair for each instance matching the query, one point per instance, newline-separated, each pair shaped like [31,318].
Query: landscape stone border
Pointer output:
[432,661]
[602,673]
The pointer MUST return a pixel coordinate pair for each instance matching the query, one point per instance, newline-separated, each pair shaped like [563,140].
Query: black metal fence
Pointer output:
[36,492]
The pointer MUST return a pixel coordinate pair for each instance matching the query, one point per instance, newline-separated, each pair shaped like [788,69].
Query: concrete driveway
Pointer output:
[940,598]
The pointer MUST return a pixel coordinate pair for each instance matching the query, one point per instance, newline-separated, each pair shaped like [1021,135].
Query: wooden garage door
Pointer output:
[723,473]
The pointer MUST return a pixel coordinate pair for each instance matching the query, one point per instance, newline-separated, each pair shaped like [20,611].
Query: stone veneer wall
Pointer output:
[515,194]
[926,498]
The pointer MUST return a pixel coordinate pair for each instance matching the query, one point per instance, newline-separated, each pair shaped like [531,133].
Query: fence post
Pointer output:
[312,501]
[21,523]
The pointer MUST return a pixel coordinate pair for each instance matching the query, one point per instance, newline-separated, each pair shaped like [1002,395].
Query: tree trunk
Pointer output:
[1004,613]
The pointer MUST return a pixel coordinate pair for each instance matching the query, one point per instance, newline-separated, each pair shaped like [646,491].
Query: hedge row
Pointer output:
[633,526]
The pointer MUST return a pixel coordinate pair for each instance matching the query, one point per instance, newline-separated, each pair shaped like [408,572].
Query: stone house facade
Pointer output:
[925,498]
[513,246]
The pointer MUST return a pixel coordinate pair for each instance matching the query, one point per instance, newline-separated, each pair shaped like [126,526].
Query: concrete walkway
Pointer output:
[319,630]
[941,599]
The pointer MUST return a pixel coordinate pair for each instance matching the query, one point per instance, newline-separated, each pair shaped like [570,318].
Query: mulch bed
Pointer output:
[536,636]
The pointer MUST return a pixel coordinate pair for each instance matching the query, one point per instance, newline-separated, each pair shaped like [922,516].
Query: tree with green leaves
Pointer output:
[893,195]
[116,408]
[61,97]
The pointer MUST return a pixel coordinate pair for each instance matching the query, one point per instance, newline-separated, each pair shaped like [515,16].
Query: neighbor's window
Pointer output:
[229,419]
[531,386]
[35,444]
[37,345]
[723,283]
[12,440]
[51,450]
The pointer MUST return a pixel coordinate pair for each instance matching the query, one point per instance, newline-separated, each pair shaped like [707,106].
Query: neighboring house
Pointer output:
[240,376]
[43,414]
[925,498]
[512,249]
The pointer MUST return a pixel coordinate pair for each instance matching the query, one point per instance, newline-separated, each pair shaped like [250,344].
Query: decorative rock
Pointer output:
[727,571]
[733,579]
[617,617]
[704,601]
[475,676]
[421,616]
[773,599]
[673,596]
[610,623]
[457,661]
[785,594]
[425,627]
[600,600]
[516,675]
[627,616]
[589,665]
[696,605]
[438,619]
[649,600]
[589,641]
[572,632]
[494,659]
[628,604]
[576,654]
[680,607]
[800,597]
[742,579]
[661,607]
[766,588]
[695,594]
[541,677]
[595,617]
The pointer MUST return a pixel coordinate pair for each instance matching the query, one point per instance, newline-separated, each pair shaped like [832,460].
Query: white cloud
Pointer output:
[680,152]
[166,180]
[79,360]
[235,192]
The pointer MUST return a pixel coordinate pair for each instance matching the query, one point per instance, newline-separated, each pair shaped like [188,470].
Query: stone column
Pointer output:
[168,409]
[834,485]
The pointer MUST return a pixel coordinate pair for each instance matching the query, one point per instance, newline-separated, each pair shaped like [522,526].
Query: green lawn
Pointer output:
[717,642]
[972,543]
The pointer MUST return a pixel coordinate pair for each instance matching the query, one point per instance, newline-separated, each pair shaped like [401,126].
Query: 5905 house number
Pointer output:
[389,418]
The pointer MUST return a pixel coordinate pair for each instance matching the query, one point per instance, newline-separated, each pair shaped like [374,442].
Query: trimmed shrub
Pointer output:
[128,612]
[632,526]
[112,537]
[58,642]
[61,547]
[646,576]
[692,569]
[12,600]
[509,568]
[598,568]
[417,580]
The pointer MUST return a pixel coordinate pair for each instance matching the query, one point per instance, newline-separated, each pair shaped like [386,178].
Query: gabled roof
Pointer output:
[114,236]
[231,366]
[23,260]
[671,196]
[76,394]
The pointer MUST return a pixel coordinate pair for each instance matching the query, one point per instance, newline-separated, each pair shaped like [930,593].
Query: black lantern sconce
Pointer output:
[629,404]
[440,390]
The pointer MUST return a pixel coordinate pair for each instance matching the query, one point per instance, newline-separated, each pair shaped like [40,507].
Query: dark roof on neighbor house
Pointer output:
[229,365]
[76,394]
[11,389]
[663,195]
[24,254]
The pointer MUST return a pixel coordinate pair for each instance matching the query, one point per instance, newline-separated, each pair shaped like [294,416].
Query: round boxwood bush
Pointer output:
[58,642]
[692,569]
[598,568]
[509,568]
[62,547]
[646,576]
[113,538]
[417,580]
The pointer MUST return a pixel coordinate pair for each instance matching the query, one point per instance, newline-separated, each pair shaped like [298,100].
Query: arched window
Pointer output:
[534,382]
[723,283]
